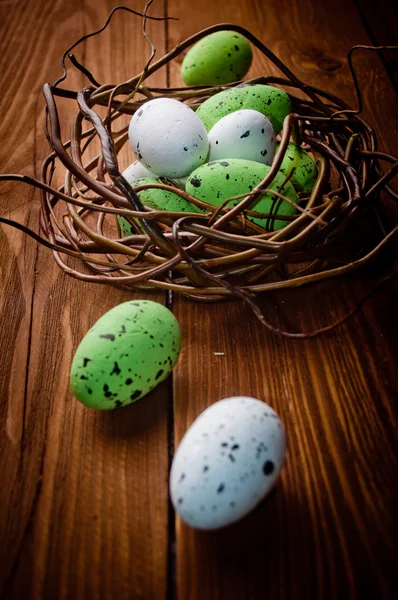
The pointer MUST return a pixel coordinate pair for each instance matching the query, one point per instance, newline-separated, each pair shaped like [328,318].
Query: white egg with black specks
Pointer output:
[136,171]
[168,137]
[227,462]
[244,134]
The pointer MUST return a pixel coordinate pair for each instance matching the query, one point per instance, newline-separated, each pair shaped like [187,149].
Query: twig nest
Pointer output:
[232,242]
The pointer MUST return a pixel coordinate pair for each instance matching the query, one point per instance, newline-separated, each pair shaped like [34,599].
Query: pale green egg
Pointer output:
[268,100]
[306,172]
[127,353]
[218,58]
[216,181]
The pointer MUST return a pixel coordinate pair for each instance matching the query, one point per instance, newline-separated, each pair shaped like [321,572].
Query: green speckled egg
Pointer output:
[221,57]
[126,354]
[218,180]
[306,173]
[158,200]
[268,100]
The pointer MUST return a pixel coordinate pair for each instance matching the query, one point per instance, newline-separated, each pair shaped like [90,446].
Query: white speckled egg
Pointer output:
[136,171]
[180,182]
[227,462]
[244,134]
[168,137]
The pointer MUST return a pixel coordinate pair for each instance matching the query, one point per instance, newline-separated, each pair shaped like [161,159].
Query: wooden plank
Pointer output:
[381,23]
[83,511]
[327,531]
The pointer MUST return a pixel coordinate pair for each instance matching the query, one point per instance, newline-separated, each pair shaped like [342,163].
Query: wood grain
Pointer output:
[327,531]
[84,502]
[381,23]
[83,495]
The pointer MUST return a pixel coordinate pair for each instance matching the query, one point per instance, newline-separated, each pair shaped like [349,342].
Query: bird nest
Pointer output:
[219,252]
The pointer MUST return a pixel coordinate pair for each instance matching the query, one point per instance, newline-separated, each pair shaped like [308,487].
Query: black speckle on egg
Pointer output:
[268,467]
[108,336]
[85,361]
[128,381]
[159,373]
[221,488]
[196,182]
[246,134]
[135,395]
[116,369]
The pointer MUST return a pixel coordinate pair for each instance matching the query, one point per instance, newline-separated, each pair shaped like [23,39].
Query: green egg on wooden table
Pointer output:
[306,172]
[221,57]
[157,199]
[272,102]
[218,180]
[127,353]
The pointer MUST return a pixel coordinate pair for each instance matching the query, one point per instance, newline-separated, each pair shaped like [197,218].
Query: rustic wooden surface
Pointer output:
[84,509]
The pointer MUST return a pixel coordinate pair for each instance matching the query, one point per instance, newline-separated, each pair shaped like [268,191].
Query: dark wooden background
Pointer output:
[84,510]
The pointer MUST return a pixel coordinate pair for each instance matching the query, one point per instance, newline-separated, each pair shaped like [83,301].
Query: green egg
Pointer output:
[158,200]
[268,100]
[306,172]
[221,57]
[216,181]
[127,353]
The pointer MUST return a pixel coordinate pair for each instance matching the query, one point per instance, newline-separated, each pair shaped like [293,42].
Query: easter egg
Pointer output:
[168,137]
[135,171]
[227,462]
[157,199]
[306,172]
[216,181]
[180,182]
[221,57]
[243,134]
[127,353]
[268,100]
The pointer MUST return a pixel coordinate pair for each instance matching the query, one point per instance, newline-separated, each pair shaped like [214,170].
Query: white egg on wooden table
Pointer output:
[227,462]
[246,134]
[168,137]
